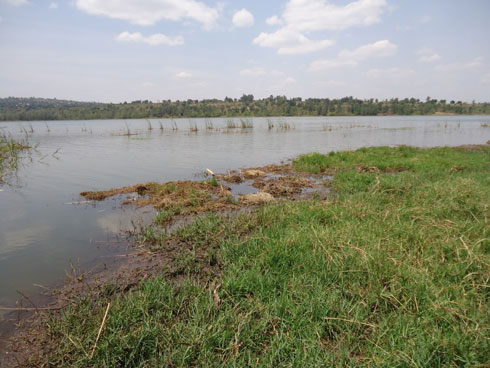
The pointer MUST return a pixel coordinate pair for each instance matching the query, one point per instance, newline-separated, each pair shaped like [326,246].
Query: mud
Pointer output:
[178,203]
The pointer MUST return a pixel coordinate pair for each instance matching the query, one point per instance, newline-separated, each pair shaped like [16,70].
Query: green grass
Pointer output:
[391,271]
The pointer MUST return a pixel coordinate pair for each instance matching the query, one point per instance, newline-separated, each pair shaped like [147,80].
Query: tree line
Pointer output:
[13,109]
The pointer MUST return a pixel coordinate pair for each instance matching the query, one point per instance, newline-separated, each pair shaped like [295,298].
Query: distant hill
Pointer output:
[36,103]
[25,109]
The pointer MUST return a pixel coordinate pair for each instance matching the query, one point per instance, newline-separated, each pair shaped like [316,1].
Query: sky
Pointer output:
[126,50]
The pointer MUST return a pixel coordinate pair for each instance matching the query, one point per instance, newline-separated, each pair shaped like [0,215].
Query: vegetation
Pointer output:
[9,156]
[12,109]
[392,271]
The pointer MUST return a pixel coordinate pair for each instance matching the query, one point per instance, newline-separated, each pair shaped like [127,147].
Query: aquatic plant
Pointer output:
[270,124]
[285,126]
[10,155]
[149,126]
[193,126]
[231,124]
[209,124]
[246,124]
[174,125]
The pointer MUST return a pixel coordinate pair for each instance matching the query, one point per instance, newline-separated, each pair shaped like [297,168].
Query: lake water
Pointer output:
[42,234]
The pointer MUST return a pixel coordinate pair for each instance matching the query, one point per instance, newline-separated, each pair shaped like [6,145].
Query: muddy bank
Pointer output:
[178,204]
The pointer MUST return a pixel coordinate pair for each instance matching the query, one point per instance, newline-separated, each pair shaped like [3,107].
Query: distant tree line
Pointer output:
[12,109]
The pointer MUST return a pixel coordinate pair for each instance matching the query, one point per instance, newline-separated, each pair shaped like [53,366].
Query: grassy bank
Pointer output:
[9,155]
[392,270]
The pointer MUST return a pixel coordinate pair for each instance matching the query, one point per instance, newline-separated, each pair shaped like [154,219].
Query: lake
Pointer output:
[44,233]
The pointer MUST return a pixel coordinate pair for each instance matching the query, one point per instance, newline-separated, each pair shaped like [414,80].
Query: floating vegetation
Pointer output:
[485,125]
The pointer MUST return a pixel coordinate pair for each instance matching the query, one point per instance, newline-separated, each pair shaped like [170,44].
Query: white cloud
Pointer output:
[17,2]
[352,58]
[486,78]
[289,80]
[243,18]
[454,67]
[183,75]
[53,6]
[1,19]
[302,17]
[149,12]
[274,21]
[147,84]
[380,48]
[390,73]
[153,40]
[316,15]
[428,55]
[253,72]
[290,42]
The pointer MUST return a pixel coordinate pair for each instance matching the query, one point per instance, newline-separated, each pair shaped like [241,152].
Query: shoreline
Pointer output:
[277,181]
[247,117]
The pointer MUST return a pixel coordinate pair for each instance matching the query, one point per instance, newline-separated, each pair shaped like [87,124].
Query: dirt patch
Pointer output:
[233,179]
[368,169]
[283,186]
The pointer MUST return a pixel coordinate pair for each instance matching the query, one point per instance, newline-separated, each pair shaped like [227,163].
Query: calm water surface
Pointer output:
[42,233]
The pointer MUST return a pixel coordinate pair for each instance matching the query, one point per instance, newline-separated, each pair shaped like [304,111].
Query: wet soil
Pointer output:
[178,203]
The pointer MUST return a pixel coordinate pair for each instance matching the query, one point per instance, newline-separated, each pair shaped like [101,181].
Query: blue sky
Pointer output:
[124,50]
